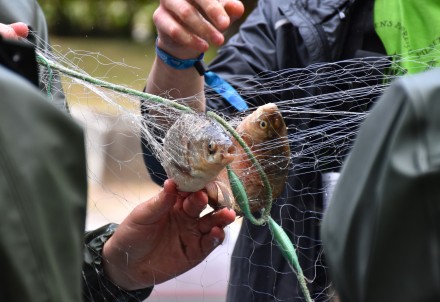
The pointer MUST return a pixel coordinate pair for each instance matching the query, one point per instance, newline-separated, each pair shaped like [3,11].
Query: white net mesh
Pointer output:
[322,105]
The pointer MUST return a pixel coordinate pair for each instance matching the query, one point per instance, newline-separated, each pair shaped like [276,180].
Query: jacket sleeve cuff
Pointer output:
[96,287]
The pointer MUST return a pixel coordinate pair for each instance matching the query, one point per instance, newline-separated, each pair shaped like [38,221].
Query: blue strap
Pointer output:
[212,79]
[223,88]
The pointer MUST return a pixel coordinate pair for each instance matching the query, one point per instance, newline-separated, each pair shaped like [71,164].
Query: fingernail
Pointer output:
[215,242]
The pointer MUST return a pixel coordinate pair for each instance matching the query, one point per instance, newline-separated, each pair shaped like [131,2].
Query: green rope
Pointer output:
[42,60]
[238,190]
[288,251]
[50,64]
[285,245]
[256,163]
[241,197]
[154,98]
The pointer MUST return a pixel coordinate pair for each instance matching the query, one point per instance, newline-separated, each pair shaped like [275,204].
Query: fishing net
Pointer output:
[322,105]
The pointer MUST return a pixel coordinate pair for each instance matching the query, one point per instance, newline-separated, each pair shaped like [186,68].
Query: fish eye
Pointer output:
[212,148]
[263,124]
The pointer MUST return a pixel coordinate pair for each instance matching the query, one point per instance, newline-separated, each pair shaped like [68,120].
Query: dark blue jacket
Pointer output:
[277,41]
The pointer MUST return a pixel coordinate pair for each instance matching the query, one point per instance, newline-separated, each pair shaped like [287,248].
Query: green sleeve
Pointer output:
[43,194]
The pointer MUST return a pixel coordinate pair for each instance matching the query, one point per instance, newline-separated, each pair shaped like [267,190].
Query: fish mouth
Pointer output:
[229,154]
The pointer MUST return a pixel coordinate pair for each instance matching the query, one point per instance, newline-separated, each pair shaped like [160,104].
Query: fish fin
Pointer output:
[219,195]
[226,192]
[212,192]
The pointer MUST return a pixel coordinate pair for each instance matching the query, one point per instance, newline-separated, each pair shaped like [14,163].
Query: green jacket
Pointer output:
[43,196]
[43,190]
[381,232]
[43,193]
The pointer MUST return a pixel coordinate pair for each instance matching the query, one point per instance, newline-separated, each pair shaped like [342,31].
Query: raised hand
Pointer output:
[187,28]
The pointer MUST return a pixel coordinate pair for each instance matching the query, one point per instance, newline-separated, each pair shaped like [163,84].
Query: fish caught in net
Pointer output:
[304,122]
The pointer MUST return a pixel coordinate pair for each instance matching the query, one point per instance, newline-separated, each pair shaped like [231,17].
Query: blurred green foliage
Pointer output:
[100,17]
[111,18]
[97,34]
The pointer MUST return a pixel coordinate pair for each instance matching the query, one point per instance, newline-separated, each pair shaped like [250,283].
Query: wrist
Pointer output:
[176,62]
[116,268]
[177,50]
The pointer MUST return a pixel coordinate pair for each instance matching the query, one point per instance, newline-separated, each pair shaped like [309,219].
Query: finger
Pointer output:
[212,240]
[195,203]
[21,29]
[234,9]
[192,18]
[7,32]
[215,13]
[153,209]
[220,219]
[175,35]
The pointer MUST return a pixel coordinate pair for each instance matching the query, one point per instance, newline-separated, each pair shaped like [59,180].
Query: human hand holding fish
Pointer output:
[162,238]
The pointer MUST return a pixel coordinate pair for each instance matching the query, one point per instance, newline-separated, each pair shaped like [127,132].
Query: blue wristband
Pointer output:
[175,62]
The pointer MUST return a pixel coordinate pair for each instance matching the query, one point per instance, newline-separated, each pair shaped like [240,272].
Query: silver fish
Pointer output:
[196,148]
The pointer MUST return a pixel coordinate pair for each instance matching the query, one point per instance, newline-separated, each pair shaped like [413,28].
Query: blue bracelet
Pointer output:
[175,62]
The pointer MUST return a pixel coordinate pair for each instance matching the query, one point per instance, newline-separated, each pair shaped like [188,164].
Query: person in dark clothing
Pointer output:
[43,187]
[277,35]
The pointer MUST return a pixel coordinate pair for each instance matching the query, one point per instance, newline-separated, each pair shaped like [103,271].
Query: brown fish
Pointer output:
[265,132]
[196,149]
